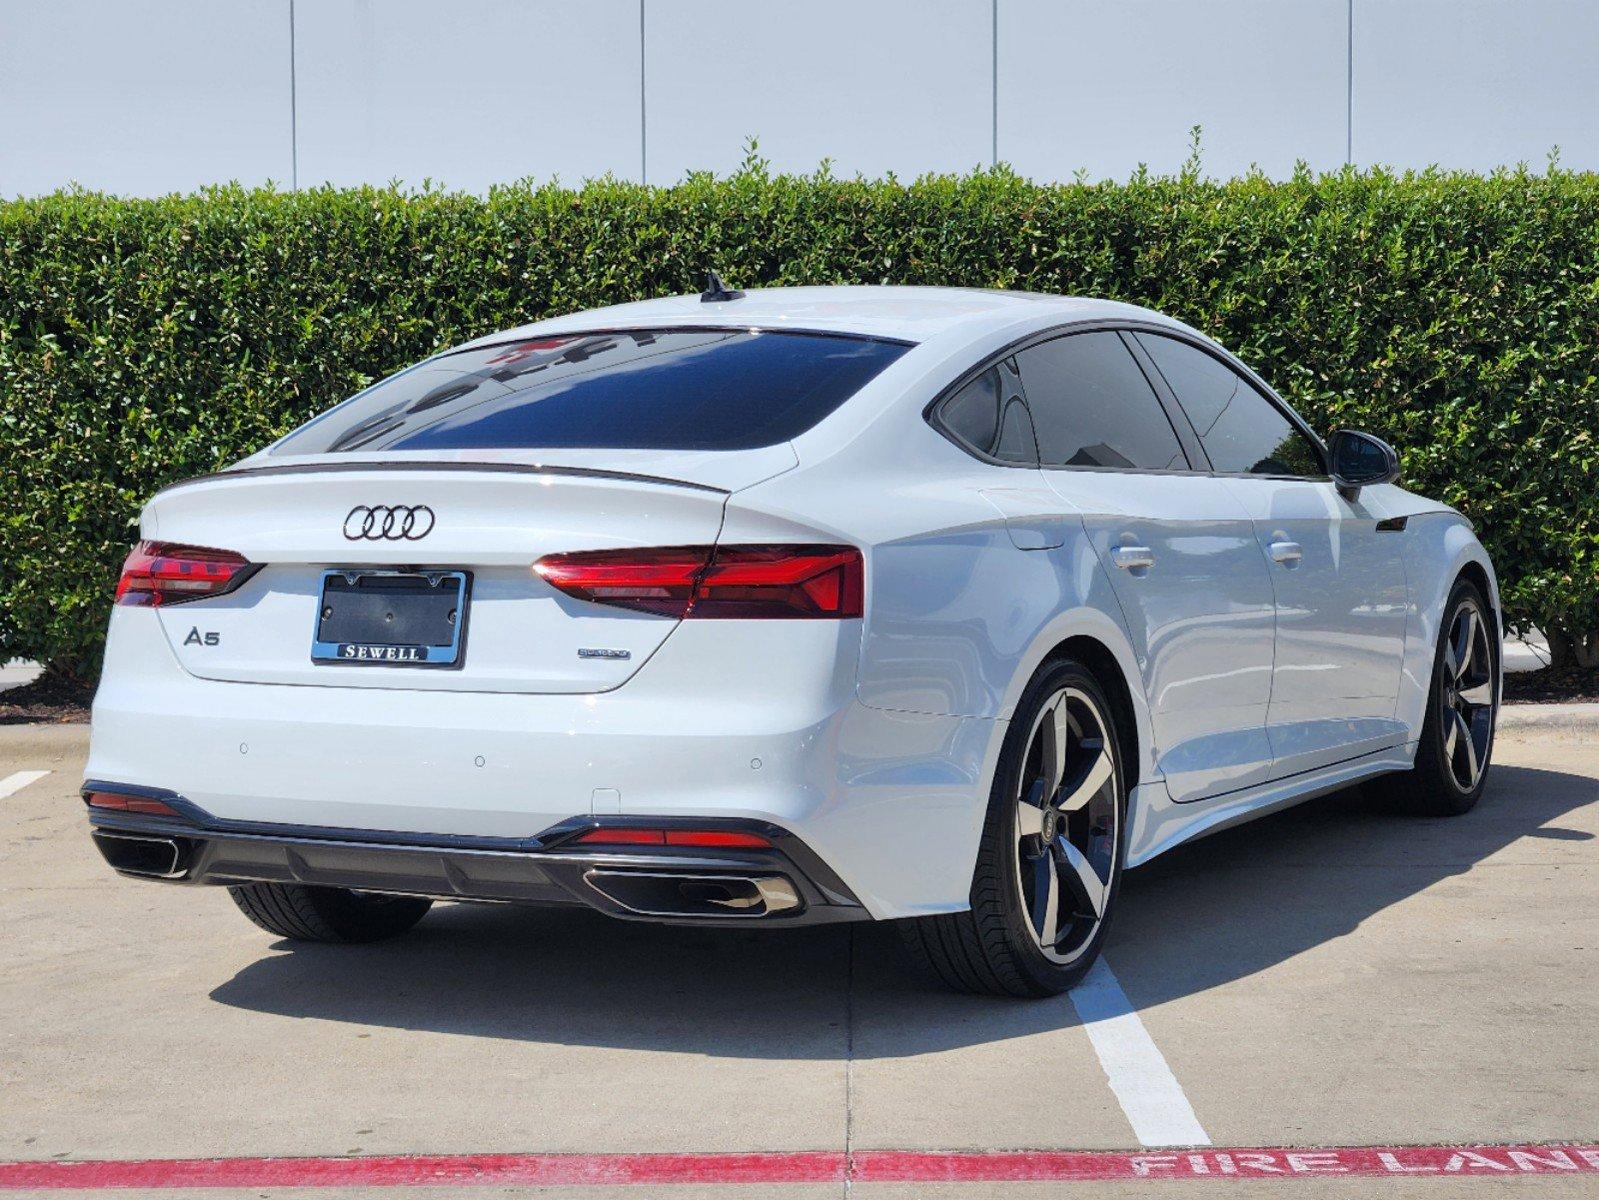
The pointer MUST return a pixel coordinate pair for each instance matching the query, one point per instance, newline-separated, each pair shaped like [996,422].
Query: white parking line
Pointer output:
[12,784]
[1148,1091]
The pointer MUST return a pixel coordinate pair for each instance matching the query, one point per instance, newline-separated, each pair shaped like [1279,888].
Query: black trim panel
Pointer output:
[1124,326]
[546,869]
[477,468]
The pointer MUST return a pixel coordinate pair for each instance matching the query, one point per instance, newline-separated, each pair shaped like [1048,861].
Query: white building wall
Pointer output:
[469,93]
[1104,86]
[1476,84]
[875,85]
[148,96]
[143,96]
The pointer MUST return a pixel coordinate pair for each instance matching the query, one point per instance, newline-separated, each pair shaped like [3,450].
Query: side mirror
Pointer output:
[1360,460]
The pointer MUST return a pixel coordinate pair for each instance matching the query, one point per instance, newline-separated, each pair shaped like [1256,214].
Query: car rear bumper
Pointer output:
[787,884]
[723,723]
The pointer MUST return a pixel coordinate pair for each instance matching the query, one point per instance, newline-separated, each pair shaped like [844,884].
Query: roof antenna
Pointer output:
[716,291]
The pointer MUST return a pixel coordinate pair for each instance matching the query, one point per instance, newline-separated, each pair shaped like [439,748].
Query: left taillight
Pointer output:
[158,573]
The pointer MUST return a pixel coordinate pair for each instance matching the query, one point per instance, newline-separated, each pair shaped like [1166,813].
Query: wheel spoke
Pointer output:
[1055,733]
[1451,736]
[1482,694]
[1046,899]
[1466,645]
[1030,811]
[1463,737]
[1087,889]
[1085,780]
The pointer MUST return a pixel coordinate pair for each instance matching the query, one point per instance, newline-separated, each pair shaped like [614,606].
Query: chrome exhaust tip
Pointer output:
[662,894]
[142,855]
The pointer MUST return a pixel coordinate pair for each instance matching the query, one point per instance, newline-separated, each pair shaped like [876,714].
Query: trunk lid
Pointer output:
[488,521]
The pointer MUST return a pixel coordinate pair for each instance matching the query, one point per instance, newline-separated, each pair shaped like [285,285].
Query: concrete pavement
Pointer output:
[1332,976]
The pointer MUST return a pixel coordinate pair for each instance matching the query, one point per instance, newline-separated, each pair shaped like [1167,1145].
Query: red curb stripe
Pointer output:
[417,1170]
[873,1166]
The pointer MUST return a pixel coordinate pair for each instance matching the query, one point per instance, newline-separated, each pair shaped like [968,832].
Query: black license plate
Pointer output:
[391,618]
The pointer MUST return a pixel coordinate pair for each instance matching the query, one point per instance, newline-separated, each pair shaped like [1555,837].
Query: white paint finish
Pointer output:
[1341,616]
[1476,84]
[891,85]
[1201,618]
[1155,1104]
[143,96]
[864,728]
[1103,87]
[483,92]
[523,634]
[15,782]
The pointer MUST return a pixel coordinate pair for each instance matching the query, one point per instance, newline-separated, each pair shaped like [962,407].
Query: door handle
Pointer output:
[1132,558]
[1287,553]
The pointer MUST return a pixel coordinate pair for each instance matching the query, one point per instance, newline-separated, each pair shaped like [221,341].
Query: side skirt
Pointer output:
[1160,823]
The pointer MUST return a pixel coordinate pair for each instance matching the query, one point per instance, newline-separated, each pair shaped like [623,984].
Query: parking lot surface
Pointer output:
[1328,977]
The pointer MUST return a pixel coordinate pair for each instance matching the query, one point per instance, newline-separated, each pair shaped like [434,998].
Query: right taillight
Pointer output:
[768,581]
[165,573]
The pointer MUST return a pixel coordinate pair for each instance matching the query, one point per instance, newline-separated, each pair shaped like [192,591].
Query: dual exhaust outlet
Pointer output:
[143,855]
[644,893]
[663,894]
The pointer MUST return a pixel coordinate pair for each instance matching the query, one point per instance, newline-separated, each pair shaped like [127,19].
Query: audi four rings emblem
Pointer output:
[388,523]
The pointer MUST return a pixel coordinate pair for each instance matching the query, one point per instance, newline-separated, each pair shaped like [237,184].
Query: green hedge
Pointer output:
[142,341]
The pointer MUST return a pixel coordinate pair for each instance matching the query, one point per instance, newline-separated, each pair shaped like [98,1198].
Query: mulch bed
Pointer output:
[48,700]
[1551,687]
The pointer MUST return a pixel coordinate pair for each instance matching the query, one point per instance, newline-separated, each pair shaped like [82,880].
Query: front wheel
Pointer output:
[1457,733]
[1051,852]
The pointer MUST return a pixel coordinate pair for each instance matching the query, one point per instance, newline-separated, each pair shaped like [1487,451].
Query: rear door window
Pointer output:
[1241,430]
[1092,406]
[678,389]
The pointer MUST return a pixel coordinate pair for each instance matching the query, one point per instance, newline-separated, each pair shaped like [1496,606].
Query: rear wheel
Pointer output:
[328,914]
[1457,734]
[1051,854]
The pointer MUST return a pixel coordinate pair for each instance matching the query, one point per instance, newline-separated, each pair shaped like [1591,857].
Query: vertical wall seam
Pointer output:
[1349,88]
[294,110]
[643,103]
[994,81]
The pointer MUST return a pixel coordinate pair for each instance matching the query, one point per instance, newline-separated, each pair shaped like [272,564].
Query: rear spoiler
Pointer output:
[476,468]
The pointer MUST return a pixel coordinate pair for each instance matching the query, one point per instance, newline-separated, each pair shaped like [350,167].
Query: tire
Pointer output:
[328,914]
[1457,733]
[998,946]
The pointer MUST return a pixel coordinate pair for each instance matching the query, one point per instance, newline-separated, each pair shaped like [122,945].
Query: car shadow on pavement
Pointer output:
[1203,915]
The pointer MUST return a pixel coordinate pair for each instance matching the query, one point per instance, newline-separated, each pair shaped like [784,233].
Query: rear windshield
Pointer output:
[641,389]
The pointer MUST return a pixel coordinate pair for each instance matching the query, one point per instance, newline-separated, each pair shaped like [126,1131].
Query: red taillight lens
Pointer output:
[624,837]
[716,838]
[720,581]
[654,581]
[134,804]
[164,573]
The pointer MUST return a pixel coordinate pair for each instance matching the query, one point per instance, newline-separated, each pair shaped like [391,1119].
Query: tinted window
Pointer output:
[1240,429]
[1093,407]
[989,415]
[643,389]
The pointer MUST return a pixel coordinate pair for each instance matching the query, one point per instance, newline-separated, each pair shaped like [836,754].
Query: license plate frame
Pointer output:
[376,652]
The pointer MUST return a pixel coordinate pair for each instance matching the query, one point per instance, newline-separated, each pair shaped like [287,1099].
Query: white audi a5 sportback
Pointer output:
[805,605]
